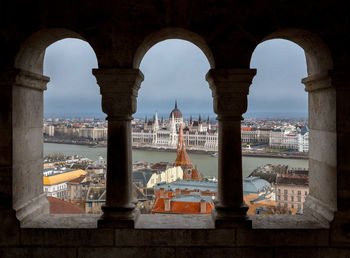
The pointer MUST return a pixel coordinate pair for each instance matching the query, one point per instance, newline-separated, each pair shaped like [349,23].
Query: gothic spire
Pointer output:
[175,103]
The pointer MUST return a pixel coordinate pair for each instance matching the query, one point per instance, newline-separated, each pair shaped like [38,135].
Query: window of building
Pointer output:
[177,74]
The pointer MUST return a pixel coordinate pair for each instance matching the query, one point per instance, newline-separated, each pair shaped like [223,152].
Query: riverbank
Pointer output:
[206,164]
[281,155]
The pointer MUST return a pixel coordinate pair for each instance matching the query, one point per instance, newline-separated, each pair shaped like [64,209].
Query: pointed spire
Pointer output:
[175,103]
[182,158]
[199,119]
[172,123]
[191,119]
[208,120]
[180,144]
[156,124]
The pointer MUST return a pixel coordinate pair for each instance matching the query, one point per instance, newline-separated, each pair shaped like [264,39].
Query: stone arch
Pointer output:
[322,200]
[31,54]
[29,200]
[318,56]
[172,33]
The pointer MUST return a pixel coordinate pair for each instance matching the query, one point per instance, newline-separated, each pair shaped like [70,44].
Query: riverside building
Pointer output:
[198,135]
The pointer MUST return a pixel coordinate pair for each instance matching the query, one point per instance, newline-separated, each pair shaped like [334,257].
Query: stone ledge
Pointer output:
[286,222]
[166,221]
[174,221]
[68,221]
[267,230]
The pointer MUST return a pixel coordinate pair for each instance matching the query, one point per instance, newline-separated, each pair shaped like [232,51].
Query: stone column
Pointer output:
[340,225]
[119,88]
[29,199]
[230,88]
[10,233]
[321,202]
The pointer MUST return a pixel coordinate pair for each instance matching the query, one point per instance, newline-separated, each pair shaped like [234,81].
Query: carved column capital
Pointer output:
[31,80]
[317,82]
[230,88]
[119,89]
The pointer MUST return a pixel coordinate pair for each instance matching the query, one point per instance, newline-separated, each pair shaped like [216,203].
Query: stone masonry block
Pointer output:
[67,237]
[217,252]
[312,252]
[282,237]
[155,252]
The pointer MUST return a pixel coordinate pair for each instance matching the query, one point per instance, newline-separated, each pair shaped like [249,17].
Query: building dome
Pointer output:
[255,185]
[176,112]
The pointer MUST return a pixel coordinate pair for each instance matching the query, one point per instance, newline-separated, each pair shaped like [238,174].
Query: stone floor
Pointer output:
[164,221]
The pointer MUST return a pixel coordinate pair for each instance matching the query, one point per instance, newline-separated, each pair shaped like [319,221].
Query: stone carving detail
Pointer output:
[230,88]
[317,82]
[119,90]
[31,80]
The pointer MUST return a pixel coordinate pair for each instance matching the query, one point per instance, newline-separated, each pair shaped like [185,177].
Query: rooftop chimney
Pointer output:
[166,204]
[203,206]
[161,193]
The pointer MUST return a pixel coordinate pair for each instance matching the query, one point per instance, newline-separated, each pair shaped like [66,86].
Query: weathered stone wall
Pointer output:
[121,32]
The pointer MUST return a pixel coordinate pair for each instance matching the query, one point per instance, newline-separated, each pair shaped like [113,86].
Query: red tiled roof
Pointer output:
[58,206]
[180,207]
[77,180]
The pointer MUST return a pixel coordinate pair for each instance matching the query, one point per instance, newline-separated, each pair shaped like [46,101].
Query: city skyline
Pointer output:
[175,69]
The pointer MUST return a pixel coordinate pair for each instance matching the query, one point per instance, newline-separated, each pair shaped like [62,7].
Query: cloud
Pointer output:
[174,69]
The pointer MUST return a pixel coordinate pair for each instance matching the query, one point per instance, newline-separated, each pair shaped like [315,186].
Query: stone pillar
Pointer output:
[230,88]
[321,202]
[10,233]
[29,199]
[340,225]
[119,88]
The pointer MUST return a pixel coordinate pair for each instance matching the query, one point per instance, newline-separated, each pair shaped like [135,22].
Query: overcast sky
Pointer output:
[175,69]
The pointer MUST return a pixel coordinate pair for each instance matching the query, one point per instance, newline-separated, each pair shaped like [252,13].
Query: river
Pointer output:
[205,163]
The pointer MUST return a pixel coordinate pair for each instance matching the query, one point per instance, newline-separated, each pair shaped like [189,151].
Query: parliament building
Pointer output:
[120,33]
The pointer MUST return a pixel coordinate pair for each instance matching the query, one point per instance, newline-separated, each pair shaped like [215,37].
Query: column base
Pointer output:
[116,217]
[232,217]
[318,210]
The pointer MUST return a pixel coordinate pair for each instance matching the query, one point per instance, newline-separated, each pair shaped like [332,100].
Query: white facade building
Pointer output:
[197,135]
[168,176]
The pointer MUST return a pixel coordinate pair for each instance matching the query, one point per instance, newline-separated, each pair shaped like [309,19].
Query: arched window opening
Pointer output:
[320,202]
[32,185]
[275,133]
[74,172]
[174,132]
